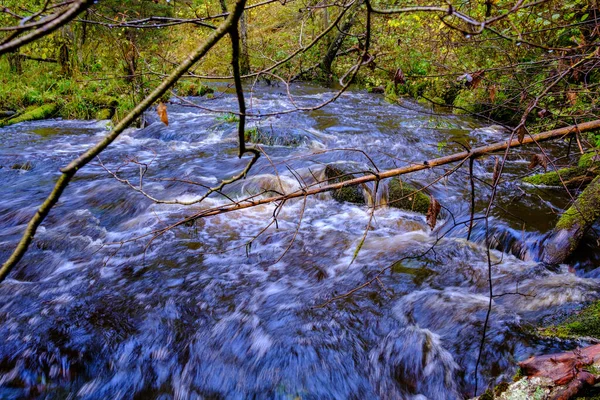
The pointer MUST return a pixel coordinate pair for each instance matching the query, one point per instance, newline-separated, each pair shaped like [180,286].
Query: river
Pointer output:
[232,306]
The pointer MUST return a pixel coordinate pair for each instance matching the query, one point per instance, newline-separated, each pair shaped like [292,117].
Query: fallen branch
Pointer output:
[375,176]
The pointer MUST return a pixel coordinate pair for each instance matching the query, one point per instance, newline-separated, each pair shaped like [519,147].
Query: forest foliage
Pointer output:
[116,52]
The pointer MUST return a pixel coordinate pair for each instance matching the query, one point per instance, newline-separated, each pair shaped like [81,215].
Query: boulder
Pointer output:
[407,197]
[351,194]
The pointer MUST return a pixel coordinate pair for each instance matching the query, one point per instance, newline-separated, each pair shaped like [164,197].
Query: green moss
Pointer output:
[420,275]
[590,159]
[487,395]
[351,194]
[518,375]
[469,101]
[553,178]
[34,113]
[585,210]
[255,135]
[501,388]
[190,88]
[584,323]
[407,197]
[105,113]
[228,117]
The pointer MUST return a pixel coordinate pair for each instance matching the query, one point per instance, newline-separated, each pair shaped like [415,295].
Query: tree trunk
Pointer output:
[15,62]
[336,45]
[244,58]
[573,224]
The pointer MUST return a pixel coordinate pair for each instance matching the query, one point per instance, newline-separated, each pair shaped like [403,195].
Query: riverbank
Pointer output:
[41,91]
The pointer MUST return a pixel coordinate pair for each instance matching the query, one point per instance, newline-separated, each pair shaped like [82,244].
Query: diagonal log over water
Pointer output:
[474,153]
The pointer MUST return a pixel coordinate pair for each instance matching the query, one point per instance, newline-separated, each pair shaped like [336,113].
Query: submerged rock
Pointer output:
[277,137]
[400,194]
[26,166]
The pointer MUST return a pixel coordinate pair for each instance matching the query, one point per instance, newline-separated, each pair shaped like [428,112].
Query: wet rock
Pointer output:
[534,388]
[407,197]
[6,113]
[351,194]
[583,324]
[270,137]
[26,166]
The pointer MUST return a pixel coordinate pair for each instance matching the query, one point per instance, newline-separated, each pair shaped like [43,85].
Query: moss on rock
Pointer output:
[189,88]
[34,113]
[590,159]
[105,101]
[105,113]
[585,323]
[407,197]
[351,194]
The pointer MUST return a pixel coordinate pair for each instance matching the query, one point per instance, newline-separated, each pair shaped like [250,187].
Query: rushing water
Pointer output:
[211,309]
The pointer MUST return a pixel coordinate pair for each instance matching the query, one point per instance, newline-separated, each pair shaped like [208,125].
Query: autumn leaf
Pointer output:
[543,113]
[399,77]
[496,170]
[161,109]
[433,212]
[523,96]
[521,131]
[477,77]
[538,159]
[572,97]
[492,90]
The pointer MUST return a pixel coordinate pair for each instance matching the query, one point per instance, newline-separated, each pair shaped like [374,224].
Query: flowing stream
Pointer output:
[227,307]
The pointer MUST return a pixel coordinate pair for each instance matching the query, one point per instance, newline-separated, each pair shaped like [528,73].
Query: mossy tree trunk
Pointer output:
[244,57]
[573,224]
[15,62]
[336,44]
